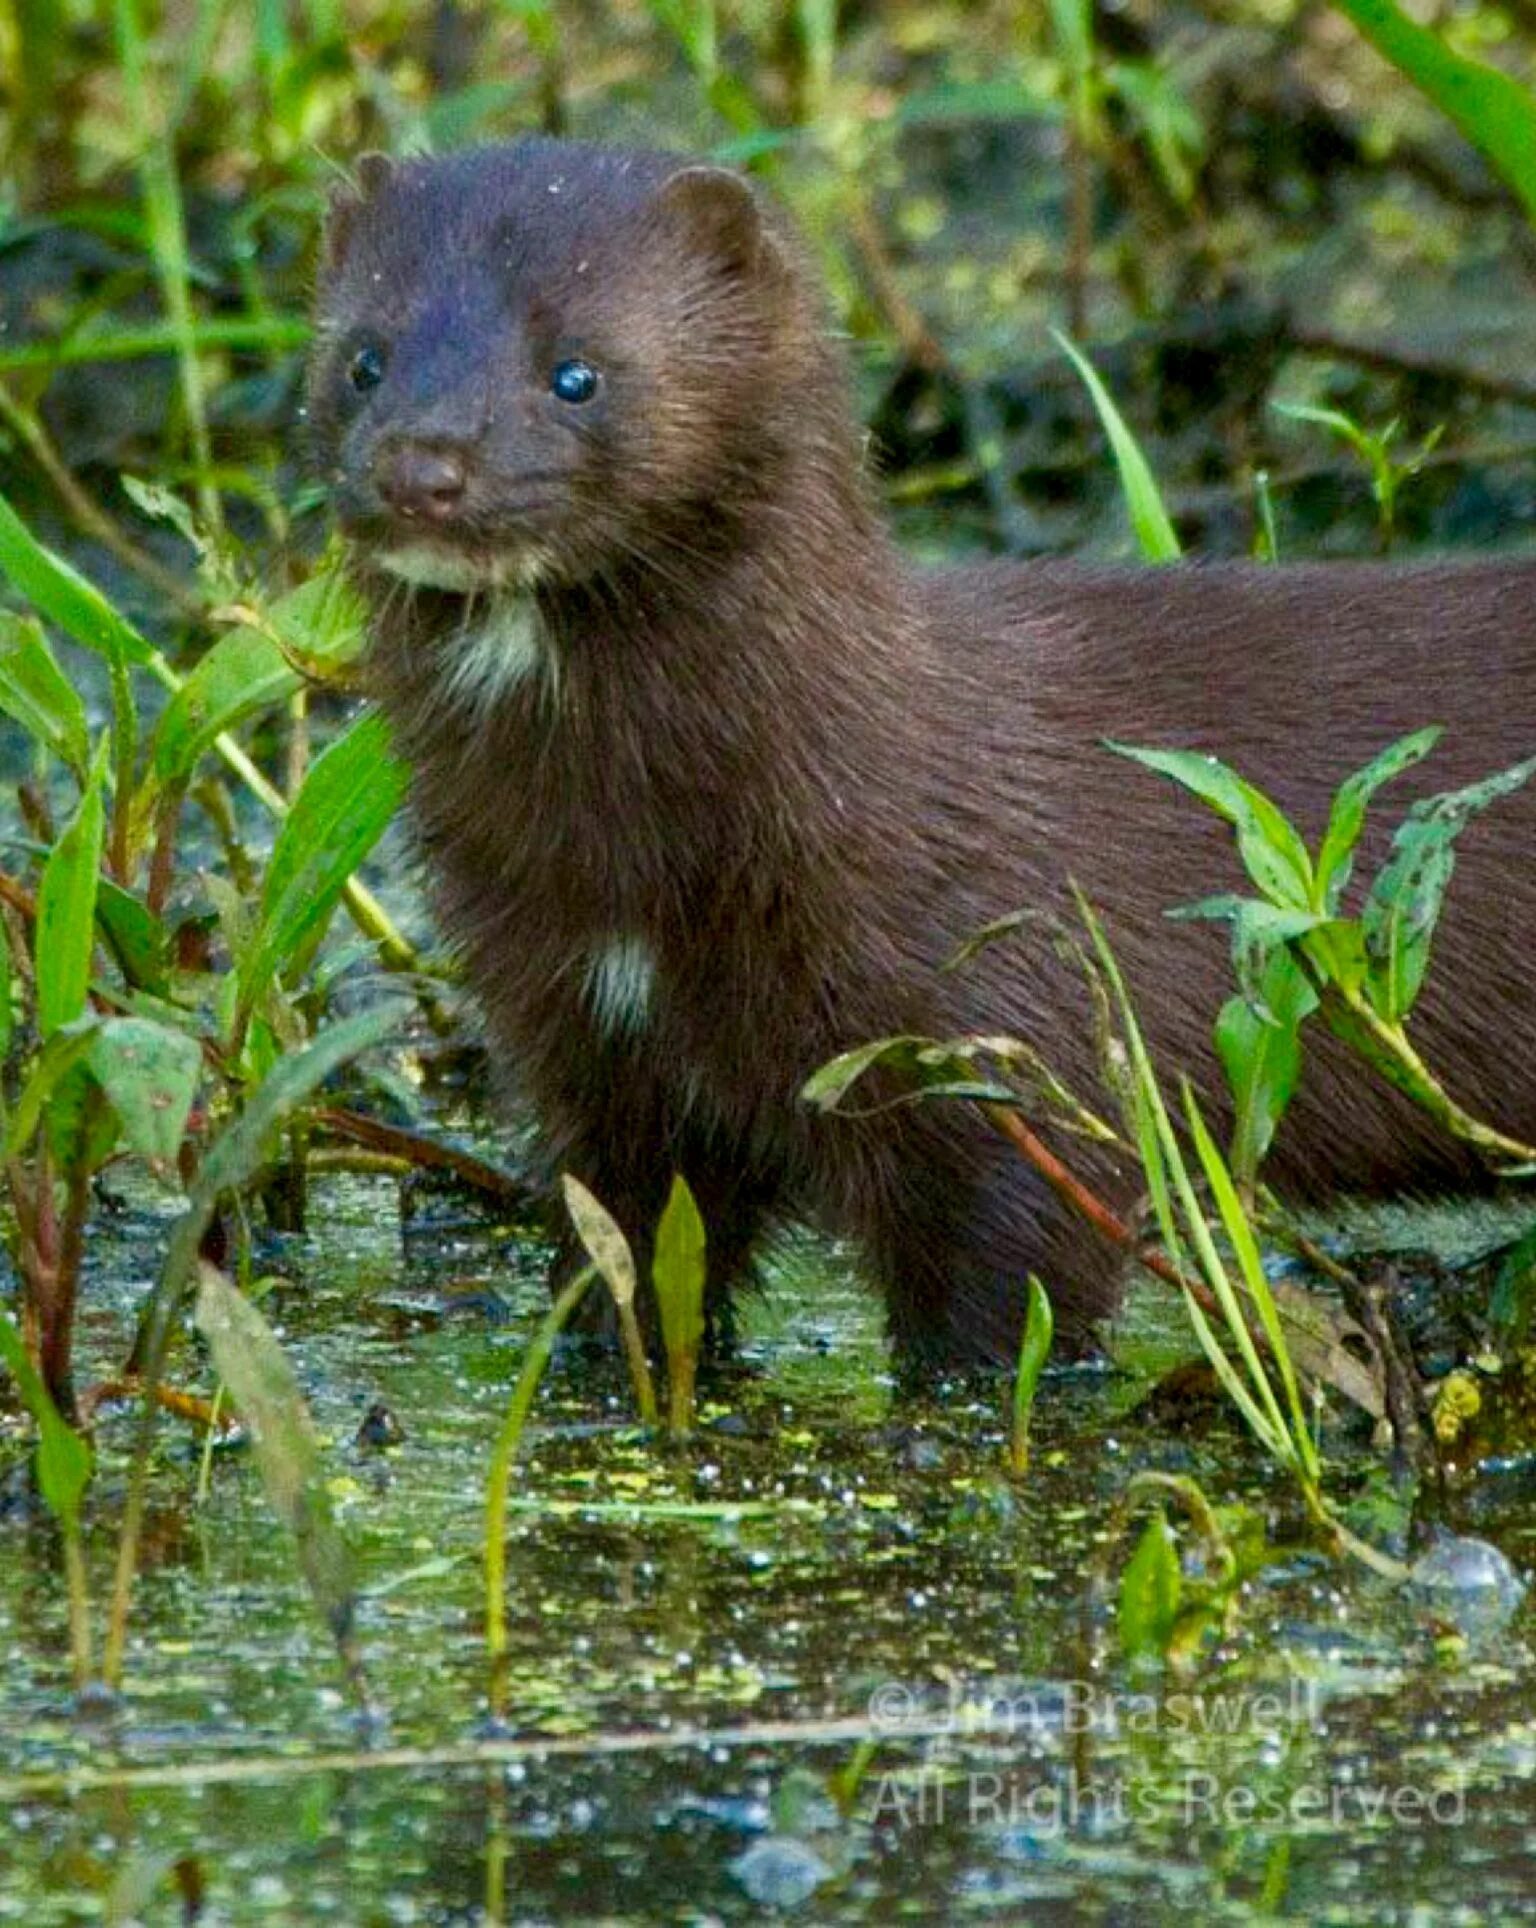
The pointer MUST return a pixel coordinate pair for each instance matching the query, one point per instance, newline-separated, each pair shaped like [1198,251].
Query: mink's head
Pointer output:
[538,363]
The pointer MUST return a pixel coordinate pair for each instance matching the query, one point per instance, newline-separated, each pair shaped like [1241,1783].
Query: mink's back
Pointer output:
[1295,676]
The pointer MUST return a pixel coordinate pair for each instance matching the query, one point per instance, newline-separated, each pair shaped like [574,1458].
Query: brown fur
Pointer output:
[802,771]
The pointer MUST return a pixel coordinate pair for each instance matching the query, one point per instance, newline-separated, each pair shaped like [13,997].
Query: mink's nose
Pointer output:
[424,483]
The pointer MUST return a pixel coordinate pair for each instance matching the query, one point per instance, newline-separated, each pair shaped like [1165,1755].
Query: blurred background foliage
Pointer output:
[1236,202]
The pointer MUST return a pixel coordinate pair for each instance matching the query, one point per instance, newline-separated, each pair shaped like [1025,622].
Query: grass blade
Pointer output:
[1149,518]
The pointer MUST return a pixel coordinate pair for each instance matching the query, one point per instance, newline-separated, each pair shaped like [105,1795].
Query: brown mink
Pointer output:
[711,781]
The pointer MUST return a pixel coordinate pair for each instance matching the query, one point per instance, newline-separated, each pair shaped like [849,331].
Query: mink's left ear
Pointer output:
[370,175]
[719,213]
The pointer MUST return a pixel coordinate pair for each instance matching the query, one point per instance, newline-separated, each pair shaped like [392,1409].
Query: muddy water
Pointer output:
[822,1664]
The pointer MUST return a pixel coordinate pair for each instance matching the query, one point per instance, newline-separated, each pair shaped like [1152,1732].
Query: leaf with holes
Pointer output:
[253,1364]
[1403,907]
[1273,853]
[602,1239]
[1347,817]
[150,1073]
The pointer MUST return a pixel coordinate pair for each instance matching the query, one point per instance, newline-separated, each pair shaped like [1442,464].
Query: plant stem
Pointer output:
[168,237]
[138,344]
[82,1656]
[1386,1046]
[499,1478]
[85,512]
[639,1365]
[370,916]
[1068,1186]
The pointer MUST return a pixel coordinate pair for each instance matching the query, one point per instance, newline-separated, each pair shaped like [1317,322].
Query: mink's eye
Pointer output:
[366,368]
[574,381]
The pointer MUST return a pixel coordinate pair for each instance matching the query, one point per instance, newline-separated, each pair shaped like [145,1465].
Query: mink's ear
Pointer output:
[371,173]
[720,215]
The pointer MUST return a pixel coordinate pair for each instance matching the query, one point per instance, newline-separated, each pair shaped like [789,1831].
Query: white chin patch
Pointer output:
[495,653]
[429,567]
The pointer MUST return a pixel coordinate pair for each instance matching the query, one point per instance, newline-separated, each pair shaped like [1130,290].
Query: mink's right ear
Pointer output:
[369,176]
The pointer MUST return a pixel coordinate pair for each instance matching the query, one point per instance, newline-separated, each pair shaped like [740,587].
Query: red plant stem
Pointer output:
[1090,1206]
[162,864]
[58,1334]
[18,897]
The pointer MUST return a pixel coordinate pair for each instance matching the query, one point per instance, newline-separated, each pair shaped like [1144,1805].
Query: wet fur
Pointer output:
[793,771]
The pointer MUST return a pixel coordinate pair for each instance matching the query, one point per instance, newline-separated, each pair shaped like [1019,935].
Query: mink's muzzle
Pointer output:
[420,483]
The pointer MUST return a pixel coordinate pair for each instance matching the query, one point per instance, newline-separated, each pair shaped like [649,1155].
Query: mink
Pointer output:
[712,782]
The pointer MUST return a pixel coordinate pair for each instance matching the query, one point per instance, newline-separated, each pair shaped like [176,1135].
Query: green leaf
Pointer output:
[63,1457]
[1173,131]
[254,1366]
[956,103]
[135,937]
[161,504]
[150,1073]
[1495,113]
[920,1067]
[1072,29]
[1346,819]
[1034,1350]
[66,913]
[1168,1179]
[1154,530]
[63,595]
[1337,950]
[272,333]
[1298,1450]
[1150,1588]
[1271,849]
[1260,1051]
[830,1083]
[1260,933]
[347,799]
[1369,447]
[678,1271]
[1512,1305]
[39,696]
[1259,930]
[240,1149]
[243,674]
[323,621]
[79,1123]
[62,1054]
[1406,897]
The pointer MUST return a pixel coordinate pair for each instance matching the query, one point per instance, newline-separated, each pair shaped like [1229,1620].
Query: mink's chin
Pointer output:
[436,565]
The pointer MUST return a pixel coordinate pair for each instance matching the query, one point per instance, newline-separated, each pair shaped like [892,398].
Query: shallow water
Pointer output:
[701,1639]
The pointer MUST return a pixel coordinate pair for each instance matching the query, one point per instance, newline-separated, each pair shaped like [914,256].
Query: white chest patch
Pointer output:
[496,652]
[619,985]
